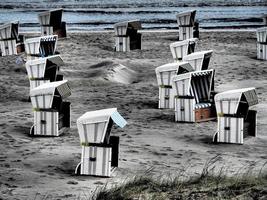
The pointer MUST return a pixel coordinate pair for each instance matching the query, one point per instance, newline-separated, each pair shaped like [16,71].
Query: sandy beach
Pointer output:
[43,167]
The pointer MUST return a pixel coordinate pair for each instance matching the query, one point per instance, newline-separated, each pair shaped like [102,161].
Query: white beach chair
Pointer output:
[44,70]
[262,43]
[99,150]
[40,46]
[182,48]
[11,43]
[192,99]
[199,60]
[186,22]
[126,36]
[51,23]
[235,119]
[164,75]
[51,113]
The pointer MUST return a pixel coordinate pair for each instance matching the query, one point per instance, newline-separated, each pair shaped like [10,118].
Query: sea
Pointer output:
[97,15]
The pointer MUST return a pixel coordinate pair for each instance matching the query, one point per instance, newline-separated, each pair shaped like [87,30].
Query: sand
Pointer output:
[43,168]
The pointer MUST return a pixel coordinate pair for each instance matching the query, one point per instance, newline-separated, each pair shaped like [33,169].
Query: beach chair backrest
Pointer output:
[51,18]
[127,28]
[235,102]
[262,35]
[186,18]
[182,48]
[49,95]
[95,126]
[165,72]
[199,60]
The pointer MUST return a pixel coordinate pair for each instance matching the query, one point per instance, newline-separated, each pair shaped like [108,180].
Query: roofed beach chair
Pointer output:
[126,35]
[186,23]
[51,112]
[164,75]
[182,48]
[262,43]
[43,46]
[199,60]
[44,70]
[100,151]
[192,100]
[11,43]
[235,119]
[51,23]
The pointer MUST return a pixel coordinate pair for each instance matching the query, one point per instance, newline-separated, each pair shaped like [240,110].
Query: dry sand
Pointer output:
[43,168]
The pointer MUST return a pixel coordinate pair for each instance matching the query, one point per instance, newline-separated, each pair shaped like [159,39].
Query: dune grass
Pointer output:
[207,185]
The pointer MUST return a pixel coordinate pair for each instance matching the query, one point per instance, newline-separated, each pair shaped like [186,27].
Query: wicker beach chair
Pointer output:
[192,100]
[11,43]
[199,60]
[164,75]
[182,48]
[40,46]
[51,112]
[44,70]
[262,43]
[51,23]
[126,36]
[235,119]
[99,150]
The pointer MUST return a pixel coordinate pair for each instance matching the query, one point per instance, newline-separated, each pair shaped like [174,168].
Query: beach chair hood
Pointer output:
[122,27]
[50,17]
[196,59]
[229,102]
[36,68]
[9,30]
[92,126]
[42,96]
[197,84]
[181,48]
[186,18]
[165,72]
[262,35]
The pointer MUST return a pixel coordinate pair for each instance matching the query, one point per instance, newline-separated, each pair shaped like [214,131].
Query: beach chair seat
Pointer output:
[51,23]
[51,113]
[41,46]
[164,75]
[192,102]
[99,149]
[199,60]
[126,36]
[182,48]
[235,119]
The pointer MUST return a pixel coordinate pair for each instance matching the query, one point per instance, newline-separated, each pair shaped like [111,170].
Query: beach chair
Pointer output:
[199,60]
[43,46]
[100,151]
[51,112]
[192,100]
[44,70]
[11,43]
[126,36]
[186,24]
[262,43]
[235,119]
[51,23]
[264,19]
[164,75]
[182,48]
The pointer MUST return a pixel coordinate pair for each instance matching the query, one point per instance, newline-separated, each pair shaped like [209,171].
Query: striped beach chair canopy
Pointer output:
[182,48]
[51,17]
[122,28]
[95,126]
[41,46]
[186,18]
[43,96]
[262,35]
[199,60]
[37,68]
[9,30]
[235,102]
[197,84]
[165,72]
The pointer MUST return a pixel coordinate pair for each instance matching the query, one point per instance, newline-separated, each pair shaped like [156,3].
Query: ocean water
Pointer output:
[83,15]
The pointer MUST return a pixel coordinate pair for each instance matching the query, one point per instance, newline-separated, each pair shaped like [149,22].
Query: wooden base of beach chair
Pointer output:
[166,98]
[8,47]
[185,32]
[262,51]
[122,44]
